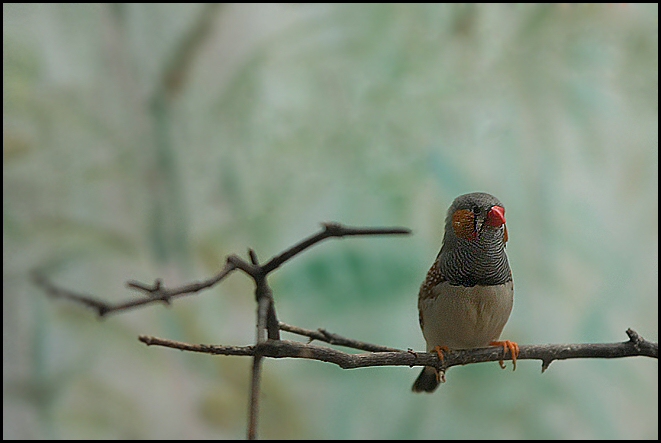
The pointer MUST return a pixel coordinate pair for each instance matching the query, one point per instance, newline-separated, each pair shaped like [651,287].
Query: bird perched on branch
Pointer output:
[467,296]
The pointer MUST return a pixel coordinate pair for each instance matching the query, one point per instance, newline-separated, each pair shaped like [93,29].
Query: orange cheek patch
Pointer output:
[463,223]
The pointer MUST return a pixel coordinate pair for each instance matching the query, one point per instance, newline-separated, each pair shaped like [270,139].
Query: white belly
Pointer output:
[464,318]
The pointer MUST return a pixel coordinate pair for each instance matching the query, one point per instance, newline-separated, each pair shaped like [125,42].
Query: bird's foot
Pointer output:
[440,375]
[440,350]
[510,346]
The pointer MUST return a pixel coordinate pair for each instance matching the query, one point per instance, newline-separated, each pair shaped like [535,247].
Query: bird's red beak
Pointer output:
[496,216]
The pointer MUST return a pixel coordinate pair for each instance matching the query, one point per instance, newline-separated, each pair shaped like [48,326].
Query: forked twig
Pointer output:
[267,320]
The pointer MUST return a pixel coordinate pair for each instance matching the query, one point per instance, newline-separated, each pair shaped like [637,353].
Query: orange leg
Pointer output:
[440,376]
[508,346]
[440,350]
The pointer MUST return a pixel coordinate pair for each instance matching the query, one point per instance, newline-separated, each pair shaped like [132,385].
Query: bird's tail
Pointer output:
[427,381]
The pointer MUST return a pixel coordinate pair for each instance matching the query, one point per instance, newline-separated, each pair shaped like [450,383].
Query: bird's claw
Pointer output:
[510,346]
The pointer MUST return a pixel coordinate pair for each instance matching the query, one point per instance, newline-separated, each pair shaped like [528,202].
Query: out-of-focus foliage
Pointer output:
[145,141]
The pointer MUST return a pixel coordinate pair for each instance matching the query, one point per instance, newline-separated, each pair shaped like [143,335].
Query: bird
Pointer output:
[468,293]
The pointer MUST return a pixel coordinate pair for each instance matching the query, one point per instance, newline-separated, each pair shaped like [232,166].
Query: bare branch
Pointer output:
[159,293]
[248,268]
[253,404]
[335,339]
[270,346]
[267,319]
[53,291]
[329,230]
[155,293]
[637,347]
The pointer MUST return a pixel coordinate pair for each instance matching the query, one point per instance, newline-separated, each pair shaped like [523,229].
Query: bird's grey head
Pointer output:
[473,250]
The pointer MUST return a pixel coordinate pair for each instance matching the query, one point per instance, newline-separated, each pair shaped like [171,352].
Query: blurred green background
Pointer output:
[145,141]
